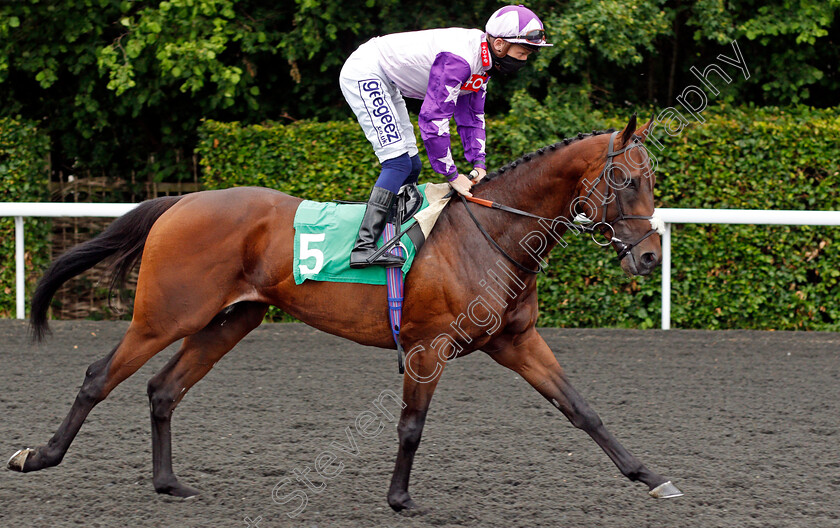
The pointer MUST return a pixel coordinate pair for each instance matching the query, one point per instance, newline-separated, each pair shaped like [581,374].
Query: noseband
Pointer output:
[622,248]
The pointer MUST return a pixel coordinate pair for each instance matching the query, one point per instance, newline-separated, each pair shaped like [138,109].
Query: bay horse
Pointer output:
[213,261]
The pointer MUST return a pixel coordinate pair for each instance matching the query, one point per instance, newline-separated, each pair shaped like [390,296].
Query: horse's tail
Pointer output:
[122,241]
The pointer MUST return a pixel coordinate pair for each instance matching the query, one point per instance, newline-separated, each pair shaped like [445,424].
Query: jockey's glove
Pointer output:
[477,174]
[462,185]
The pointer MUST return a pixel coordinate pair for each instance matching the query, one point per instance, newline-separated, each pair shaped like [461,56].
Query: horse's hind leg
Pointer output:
[136,347]
[197,356]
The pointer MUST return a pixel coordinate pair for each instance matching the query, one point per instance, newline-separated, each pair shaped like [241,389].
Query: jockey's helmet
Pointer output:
[517,25]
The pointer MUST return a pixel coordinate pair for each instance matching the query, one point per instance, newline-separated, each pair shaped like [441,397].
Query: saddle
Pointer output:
[408,203]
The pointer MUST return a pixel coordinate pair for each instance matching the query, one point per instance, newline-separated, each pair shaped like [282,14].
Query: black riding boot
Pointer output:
[373,223]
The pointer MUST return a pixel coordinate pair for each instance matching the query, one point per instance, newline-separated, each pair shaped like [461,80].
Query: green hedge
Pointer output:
[320,161]
[723,276]
[761,277]
[23,178]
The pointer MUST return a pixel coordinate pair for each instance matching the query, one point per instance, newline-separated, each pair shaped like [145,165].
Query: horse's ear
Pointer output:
[645,129]
[627,133]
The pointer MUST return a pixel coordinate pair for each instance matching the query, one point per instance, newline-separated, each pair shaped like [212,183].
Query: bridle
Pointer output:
[622,248]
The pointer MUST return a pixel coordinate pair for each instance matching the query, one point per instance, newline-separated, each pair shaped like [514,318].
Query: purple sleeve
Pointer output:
[469,116]
[446,76]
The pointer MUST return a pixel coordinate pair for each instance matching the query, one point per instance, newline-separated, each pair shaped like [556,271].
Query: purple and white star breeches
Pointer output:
[378,104]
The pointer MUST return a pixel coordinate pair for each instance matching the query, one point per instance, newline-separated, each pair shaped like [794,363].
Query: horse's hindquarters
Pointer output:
[214,249]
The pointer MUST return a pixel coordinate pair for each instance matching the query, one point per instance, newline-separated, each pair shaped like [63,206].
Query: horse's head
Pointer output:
[615,198]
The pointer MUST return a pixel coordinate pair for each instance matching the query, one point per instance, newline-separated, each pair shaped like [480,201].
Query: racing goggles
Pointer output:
[535,36]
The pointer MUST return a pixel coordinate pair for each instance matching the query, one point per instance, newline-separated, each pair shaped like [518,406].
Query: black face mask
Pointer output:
[507,65]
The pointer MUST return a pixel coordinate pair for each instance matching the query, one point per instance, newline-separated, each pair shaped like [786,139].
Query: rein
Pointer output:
[493,205]
[623,247]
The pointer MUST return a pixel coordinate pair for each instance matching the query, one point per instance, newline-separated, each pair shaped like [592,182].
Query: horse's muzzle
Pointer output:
[640,262]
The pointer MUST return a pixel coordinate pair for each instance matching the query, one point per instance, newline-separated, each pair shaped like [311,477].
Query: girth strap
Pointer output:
[394,279]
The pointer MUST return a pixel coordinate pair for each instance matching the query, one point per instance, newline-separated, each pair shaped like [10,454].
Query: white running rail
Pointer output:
[727,216]
[20,210]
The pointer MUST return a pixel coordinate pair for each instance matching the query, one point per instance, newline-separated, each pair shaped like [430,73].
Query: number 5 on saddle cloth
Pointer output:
[325,233]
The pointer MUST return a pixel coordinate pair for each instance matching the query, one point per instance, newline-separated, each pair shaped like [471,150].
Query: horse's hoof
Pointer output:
[176,489]
[18,460]
[405,504]
[666,490]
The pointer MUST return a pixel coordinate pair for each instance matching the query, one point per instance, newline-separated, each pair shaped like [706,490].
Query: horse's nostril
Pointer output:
[649,259]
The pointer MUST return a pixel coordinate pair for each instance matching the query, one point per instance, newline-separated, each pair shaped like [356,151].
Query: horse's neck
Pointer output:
[544,186]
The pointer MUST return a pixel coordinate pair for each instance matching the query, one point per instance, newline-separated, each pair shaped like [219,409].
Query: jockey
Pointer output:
[448,69]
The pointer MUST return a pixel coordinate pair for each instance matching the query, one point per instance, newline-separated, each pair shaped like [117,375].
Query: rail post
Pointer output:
[666,277]
[20,269]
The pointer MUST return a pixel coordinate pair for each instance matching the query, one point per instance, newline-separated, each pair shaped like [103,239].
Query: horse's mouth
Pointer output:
[635,267]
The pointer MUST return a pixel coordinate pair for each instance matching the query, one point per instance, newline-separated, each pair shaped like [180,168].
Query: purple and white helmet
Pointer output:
[518,25]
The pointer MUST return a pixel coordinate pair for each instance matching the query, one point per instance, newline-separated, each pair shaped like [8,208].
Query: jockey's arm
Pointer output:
[447,75]
[469,116]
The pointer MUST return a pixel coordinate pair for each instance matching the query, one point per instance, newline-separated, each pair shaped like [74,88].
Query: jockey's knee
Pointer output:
[395,172]
[416,165]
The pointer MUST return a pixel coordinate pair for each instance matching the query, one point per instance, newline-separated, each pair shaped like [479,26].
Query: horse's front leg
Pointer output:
[528,355]
[423,370]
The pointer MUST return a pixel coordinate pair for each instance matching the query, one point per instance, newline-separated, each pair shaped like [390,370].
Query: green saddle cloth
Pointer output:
[325,233]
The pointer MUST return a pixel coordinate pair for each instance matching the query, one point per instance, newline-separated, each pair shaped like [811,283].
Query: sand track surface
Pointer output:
[747,424]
